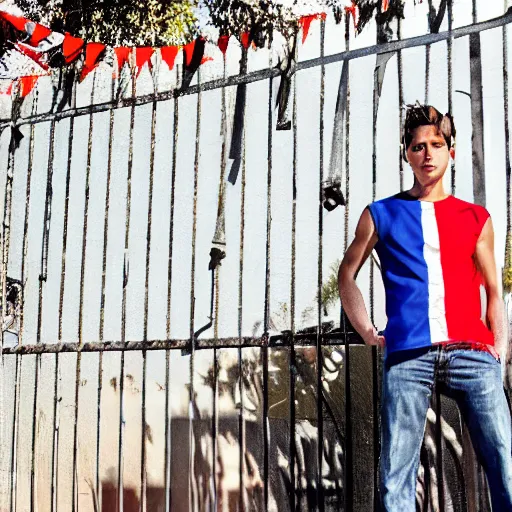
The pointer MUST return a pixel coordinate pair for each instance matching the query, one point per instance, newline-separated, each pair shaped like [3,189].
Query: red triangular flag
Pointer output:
[71,47]
[122,54]
[223,43]
[93,52]
[27,84]
[142,57]
[189,51]
[385,5]
[305,21]
[35,56]
[245,40]
[39,33]
[206,59]
[168,54]
[17,22]
[36,31]
[354,10]
[5,88]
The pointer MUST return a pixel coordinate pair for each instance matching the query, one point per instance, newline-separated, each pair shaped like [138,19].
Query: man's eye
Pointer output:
[417,148]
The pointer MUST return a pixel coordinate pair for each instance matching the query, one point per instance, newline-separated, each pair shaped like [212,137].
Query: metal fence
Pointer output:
[279,413]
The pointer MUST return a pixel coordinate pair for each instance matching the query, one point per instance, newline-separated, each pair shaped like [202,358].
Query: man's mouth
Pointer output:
[429,167]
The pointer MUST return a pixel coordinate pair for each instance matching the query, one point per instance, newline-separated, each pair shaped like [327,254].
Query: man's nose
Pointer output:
[428,153]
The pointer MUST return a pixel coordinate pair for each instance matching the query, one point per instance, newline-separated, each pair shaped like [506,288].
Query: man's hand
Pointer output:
[496,316]
[373,338]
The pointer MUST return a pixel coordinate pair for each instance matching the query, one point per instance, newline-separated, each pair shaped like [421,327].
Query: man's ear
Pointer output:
[452,152]
[404,151]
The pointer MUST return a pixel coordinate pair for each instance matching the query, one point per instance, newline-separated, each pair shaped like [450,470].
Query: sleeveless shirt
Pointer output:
[432,285]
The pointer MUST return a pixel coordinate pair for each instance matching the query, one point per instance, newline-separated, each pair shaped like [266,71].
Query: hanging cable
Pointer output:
[332,194]
[235,151]
[288,66]
[218,250]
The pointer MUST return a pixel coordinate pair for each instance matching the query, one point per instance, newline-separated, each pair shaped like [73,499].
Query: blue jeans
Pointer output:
[473,379]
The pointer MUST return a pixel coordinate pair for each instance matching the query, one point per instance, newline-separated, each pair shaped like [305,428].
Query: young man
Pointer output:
[435,251]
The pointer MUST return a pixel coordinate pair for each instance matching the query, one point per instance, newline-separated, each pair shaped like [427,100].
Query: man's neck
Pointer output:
[434,192]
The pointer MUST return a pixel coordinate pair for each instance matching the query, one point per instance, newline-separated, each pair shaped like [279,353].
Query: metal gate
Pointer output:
[145,375]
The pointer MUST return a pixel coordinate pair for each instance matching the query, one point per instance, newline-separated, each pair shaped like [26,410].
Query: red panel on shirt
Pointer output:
[459,225]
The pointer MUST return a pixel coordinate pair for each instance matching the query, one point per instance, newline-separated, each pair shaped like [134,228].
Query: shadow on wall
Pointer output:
[155,499]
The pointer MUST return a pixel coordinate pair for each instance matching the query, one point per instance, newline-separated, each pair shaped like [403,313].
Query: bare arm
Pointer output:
[351,297]
[484,256]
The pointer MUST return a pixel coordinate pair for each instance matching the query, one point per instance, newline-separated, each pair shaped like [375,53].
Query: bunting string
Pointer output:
[42,49]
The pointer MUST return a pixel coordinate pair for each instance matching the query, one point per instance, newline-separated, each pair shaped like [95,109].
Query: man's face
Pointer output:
[428,155]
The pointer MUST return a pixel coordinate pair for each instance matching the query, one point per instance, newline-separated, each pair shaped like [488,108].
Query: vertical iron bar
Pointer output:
[6,237]
[347,141]
[167,447]
[215,419]
[292,359]
[215,392]
[14,448]
[97,483]
[102,300]
[449,43]
[42,277]
[106,220]
[400,105]
[75,493]
[192,408]
[143,476]
[120,469]
[168,320]
[27,212]
[508,240]
[347,470]
[46,226]
[439,451]
[319,394]
[55,436]
[19,358]
[508,244]
[375,388]
[266,320]
[241,417]
[427,73]
[56,422]
[86,215]
[33,505]
[477,115]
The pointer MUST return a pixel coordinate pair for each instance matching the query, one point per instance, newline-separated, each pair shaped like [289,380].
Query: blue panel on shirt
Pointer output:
[404,271]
